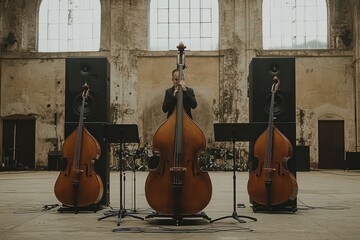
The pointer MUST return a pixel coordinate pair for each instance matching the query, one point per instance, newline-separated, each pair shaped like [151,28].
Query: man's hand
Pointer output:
[183,84]
[176,90]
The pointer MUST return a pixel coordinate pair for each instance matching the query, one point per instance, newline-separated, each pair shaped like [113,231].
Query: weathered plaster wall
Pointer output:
[340,24]
[356,66]
[139,77]
[324,88]
[128,35]
[36,87]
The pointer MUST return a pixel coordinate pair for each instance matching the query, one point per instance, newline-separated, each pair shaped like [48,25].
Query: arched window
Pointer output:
[294,24]
[195,22]
[69,25]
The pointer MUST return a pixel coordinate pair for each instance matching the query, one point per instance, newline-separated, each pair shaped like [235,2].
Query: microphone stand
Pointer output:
[134,179]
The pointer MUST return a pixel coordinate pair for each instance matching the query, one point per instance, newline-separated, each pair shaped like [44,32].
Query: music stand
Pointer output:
[226,132]
[121,133]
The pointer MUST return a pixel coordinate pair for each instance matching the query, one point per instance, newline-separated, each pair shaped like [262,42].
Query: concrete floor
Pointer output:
[328,208]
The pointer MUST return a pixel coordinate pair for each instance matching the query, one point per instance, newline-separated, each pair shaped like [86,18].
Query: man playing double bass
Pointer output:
[176,186]
[189,100]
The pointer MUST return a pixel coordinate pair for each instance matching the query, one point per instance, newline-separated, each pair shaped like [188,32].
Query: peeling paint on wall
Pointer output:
[33,83]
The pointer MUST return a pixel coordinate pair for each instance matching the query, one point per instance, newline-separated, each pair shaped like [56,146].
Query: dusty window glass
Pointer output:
[69,25]
[294,24]
[194,22]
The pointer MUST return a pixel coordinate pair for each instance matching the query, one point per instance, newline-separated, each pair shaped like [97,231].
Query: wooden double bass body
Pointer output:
[271,183]
[178,187]
[79,185]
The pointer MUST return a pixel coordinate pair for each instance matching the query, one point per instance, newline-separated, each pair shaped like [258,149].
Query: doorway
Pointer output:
[18,142]
[331,144]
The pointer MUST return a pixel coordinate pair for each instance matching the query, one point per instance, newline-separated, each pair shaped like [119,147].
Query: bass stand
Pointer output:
[222,132]
[120,133]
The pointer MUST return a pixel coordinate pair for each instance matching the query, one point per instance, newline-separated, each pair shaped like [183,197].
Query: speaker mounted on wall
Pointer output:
[262,71]
[96,73]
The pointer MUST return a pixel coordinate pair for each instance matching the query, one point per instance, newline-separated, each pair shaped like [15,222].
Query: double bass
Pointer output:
[177,186]
[271,183]
[79,185]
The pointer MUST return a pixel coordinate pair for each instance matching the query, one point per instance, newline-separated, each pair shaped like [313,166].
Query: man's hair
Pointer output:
[173,71]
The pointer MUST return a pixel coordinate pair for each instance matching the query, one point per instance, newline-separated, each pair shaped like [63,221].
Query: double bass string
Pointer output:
[270,128]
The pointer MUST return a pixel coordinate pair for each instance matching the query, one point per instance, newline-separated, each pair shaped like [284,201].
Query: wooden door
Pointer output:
[19,142]
[331,144]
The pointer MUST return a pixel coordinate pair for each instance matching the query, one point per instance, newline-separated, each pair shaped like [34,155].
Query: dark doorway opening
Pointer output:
[331,144]
[18,142]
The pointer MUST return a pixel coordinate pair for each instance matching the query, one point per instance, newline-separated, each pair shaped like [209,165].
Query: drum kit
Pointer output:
[212,159]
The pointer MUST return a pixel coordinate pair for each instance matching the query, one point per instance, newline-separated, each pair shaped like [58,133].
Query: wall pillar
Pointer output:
[356,67]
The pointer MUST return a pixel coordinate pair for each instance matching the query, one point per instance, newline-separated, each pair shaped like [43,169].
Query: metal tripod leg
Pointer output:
[234,214]
[121,213]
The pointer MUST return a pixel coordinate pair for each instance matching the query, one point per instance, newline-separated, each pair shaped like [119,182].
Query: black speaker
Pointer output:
[288,129]
[262,70]
[102,165]
[302,154]
[56,161]
[352,160]
[96,73]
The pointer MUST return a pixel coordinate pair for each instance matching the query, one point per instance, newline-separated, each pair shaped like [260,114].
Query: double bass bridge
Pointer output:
[177,169]
[178,173]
